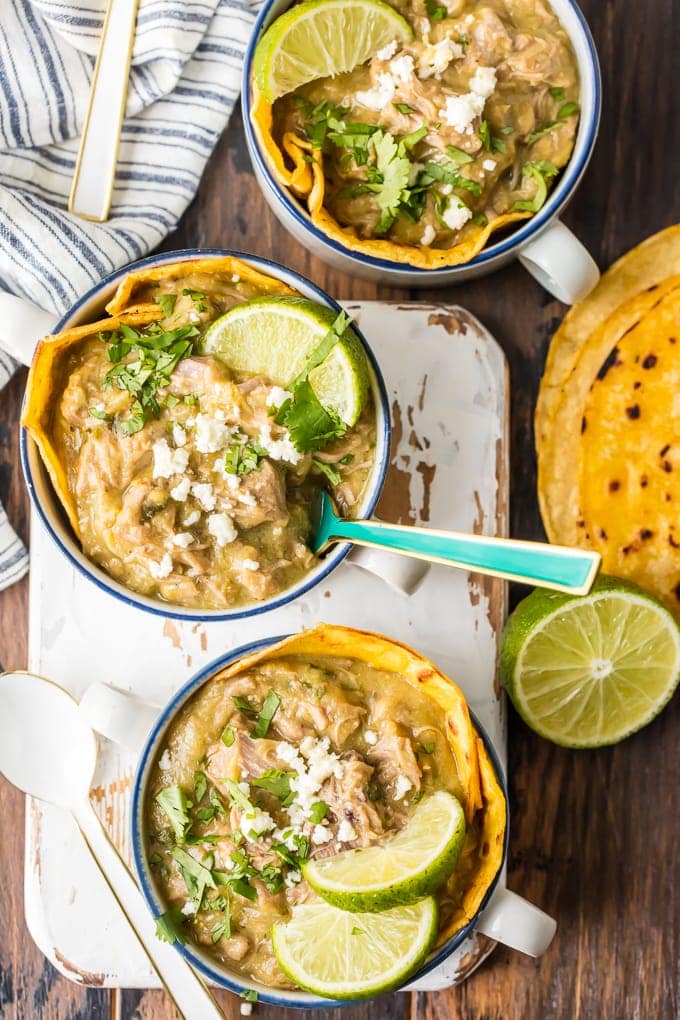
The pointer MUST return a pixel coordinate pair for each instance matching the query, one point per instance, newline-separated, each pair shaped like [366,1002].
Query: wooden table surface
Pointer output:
[594,834]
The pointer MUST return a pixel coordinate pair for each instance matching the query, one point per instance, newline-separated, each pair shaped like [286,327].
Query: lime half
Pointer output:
[589,670]
[353,956]
[403,869]
[320,38]
[274,336]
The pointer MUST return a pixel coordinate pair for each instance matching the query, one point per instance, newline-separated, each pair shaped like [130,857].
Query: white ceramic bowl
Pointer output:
[49,510]
[547,248]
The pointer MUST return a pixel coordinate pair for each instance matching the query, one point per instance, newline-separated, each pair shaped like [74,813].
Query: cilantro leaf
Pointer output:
[250,995]
[277,783]
[175,804]
[542,172]
[170,926]
[459,156]
[311,426]
[395,170]
[237,795]
[331,473]
[269,709]
[222,930]
[198,298]
[228,736]
[436,11]
[200,786]
[404,108]
[318,811]
[166,303]
[556,92]
[244,706]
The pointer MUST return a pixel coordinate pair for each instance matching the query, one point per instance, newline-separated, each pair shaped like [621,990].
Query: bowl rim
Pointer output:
[156,906]
[337,554]
[558,198]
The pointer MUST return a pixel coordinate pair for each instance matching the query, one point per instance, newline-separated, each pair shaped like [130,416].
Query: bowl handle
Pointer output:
[516,923]
[23,324]
[560,263]
[118,715]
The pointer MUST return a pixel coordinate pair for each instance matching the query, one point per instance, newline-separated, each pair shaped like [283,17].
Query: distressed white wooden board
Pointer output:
[447,382]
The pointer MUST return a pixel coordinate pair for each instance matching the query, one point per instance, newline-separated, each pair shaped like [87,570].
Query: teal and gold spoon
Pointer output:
[546,566]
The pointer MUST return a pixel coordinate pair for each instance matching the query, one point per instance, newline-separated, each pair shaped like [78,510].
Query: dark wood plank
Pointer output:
[592,836]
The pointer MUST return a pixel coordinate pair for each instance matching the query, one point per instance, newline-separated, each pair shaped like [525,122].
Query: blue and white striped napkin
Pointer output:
[183,86]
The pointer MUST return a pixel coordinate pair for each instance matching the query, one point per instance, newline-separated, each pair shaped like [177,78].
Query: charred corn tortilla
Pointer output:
[629,455]
[640,270]
[484,800]
[558,445]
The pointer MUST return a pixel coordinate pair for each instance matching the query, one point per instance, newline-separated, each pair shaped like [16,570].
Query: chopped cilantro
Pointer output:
[436,11]
[480,219]
[242,457]
[318,119]
[331,473]
[243,887]
[269,709]
[404,108]
[228,736]
[200,786]
[190,866]
[155,859]
[556,92]
[374,792]
[448,173]
[498,145]
[409,141]
[429,747]
[250,995]
[214,799]
[237,795]
[277,783]
[170,926]
[564,111]
[272,877]
[198,298]
[244,706]
[318,811]
[311,425]
[485,135]
[166,303]
[190,398]
[222,930]
[542,172]
[101,415]
[204,814]
[175,804]
[459,156]
[568,109]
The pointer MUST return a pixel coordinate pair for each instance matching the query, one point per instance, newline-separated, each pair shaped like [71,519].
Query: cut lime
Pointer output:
[353,956]
[322,38]
[403,869]
[274,336]
[585,671]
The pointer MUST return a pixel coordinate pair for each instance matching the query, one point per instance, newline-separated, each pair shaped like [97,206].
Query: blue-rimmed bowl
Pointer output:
[205,963]
[91,307]
[543,244]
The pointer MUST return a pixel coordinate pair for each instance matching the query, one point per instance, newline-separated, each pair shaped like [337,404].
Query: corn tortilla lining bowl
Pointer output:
[234,982]
[298,222]
[53,518]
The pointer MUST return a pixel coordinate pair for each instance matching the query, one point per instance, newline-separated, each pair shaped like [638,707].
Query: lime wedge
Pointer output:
[353,956]
[321,38]
[403,869]
[274,336]
[585,671]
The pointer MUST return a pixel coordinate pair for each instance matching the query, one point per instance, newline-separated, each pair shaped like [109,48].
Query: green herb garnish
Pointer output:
[243,887]
[244,706]
[101,415]
[269,709]
[222,930]
[237,795]
[242,457]
[331,473]
[250,995]
[170,926]
[228,736]
[198,298]
[318,811]
[542,172]
[556,92]
[166,303]
[436,11]
[459,156]
[405,109]
[200,786]
[277,783]
[175,804]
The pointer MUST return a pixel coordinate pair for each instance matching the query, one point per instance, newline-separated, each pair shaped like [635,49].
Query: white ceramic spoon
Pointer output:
[48,751]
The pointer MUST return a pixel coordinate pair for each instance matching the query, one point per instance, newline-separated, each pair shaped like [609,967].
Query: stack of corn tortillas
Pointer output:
[608,421]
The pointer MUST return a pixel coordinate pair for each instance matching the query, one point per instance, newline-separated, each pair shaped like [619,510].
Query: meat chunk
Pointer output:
[490,41]
[393,755]
[235,947]
[347,798]
[344,719]
[245,759]
[262,497]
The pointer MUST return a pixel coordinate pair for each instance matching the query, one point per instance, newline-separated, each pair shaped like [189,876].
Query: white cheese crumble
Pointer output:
[254,823]
[456,214]
[183,540]
[321,834]
[428,235]
[346,831]
[380,95]
[189,908]
[179,435]
[402,68]
[250,564]
[194,316]
[205,494]
[277,396]
[279,449]
[181,490]
[164,761]
[168,462]
[460,111]
[162,569]
[401,787]
[370,737]
[387,52]
[221,527]
[310,774]
[235,278]
[292,878]
[489,164]
[192,518]
[246,1008]
[436,57]
[483,81]
[212,434]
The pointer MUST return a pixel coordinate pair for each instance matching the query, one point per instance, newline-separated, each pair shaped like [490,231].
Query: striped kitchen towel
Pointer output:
[13,555]
[183,85]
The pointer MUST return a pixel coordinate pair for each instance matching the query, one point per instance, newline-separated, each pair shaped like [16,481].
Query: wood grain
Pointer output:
[593,837]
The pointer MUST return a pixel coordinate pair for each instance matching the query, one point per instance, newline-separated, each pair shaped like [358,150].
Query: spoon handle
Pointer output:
[187,990]
[547,566]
